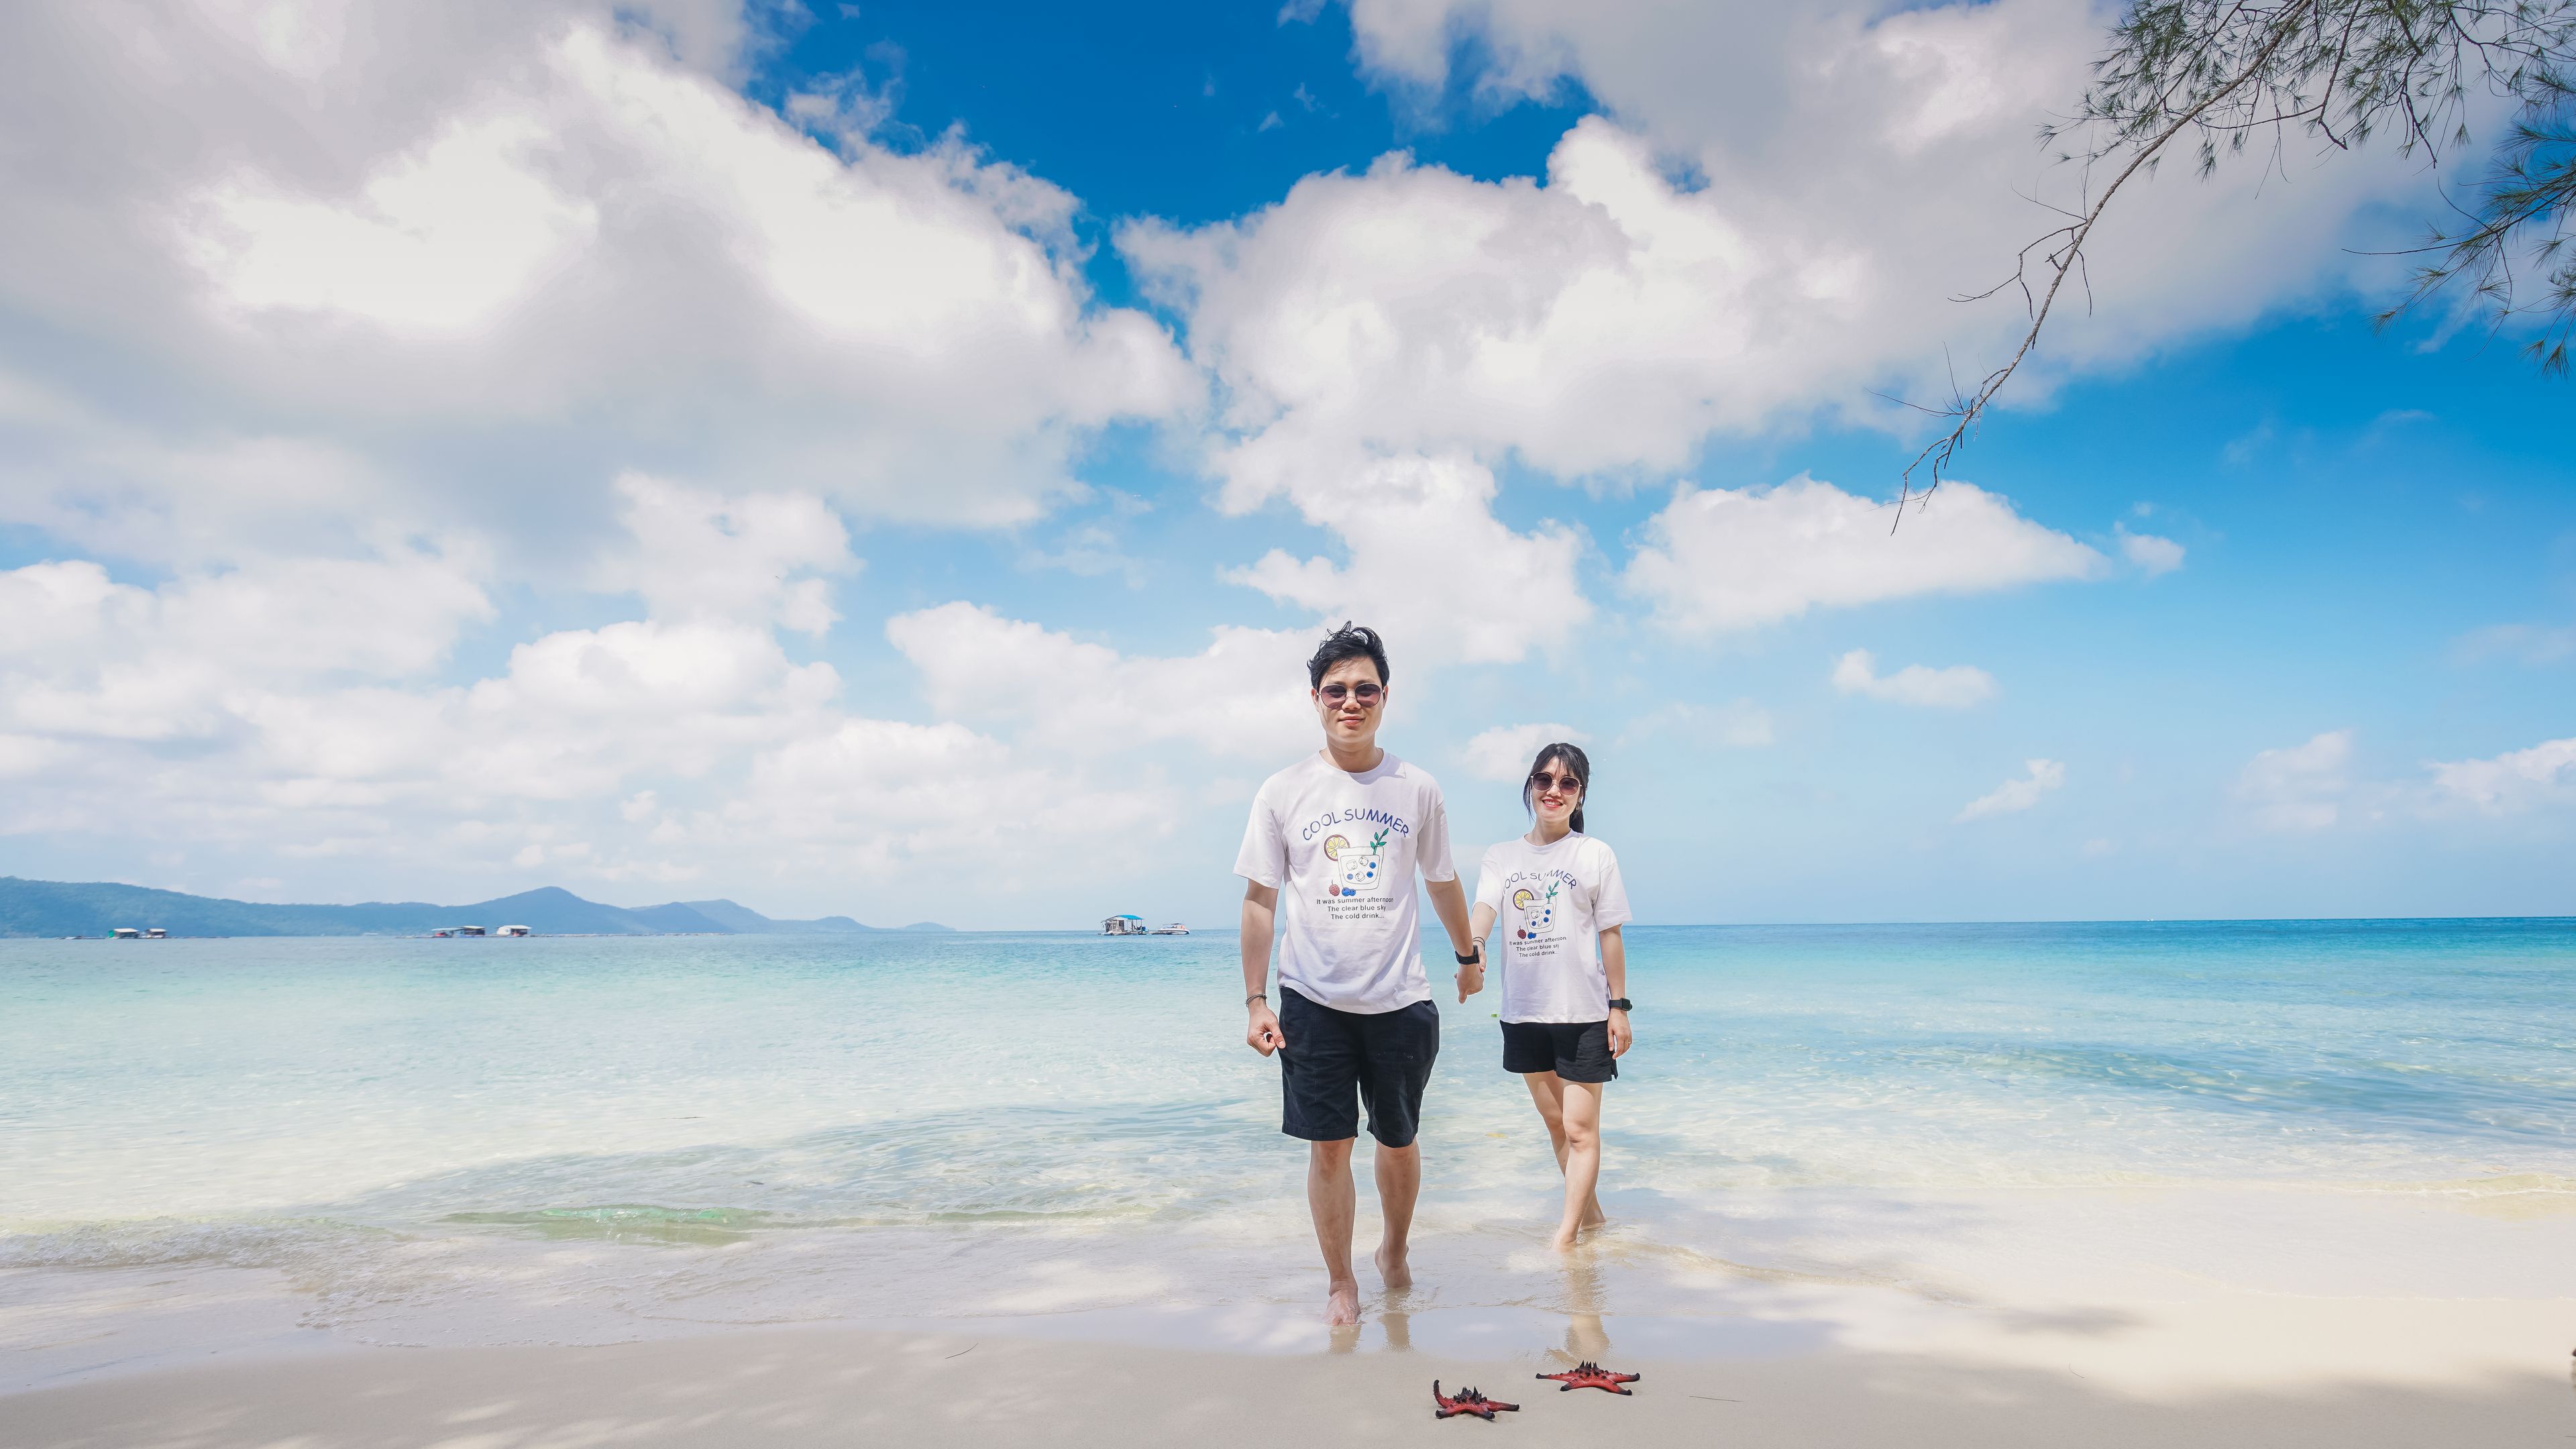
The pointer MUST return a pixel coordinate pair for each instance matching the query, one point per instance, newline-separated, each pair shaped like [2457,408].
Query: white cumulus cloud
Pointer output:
[2514,780]
[1956,687]
[2012,796]
[2151,554]
[1429,565]
[1863,163]
[1719,559]
[698,553]
[544,241]
[1243,697]
[1505,751]
[295,709]
[2299,787]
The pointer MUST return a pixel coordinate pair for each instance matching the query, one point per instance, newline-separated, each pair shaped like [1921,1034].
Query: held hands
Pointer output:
[1471,975]
[1262,1033]
[1621,1038]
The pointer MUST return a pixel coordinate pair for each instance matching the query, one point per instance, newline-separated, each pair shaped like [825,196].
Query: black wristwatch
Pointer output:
[1620,1003]
[1470,958]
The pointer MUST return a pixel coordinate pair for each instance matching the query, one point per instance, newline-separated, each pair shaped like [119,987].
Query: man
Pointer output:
[1342,834]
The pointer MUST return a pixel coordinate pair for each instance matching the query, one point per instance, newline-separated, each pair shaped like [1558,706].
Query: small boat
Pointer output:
[1174,929]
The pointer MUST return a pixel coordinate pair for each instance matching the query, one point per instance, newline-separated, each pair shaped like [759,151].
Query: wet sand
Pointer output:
[845,1387]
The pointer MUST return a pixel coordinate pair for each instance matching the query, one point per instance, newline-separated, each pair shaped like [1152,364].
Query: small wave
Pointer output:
[627,1222]
[2511,1195]
[172,1242]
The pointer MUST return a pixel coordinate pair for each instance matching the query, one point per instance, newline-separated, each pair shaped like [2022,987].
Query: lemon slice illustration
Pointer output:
[1523,897]
[1334,845]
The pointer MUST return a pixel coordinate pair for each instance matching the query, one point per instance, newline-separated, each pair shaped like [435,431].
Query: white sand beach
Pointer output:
[843,1387]
[2147,1317]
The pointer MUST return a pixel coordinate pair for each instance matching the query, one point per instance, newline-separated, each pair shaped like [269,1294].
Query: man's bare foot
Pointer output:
[1593,1217]
[1565,1239]
[1342,1303]
[1393,1269]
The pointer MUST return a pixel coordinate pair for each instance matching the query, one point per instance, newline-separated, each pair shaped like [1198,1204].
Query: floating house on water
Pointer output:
[1123,926]
[127,933]
[155,933]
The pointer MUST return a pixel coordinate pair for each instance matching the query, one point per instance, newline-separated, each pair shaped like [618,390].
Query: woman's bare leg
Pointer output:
[1580,1120]
[1547,1092]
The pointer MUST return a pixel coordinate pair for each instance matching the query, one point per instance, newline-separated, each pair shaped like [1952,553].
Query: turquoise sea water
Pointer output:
[572,1137]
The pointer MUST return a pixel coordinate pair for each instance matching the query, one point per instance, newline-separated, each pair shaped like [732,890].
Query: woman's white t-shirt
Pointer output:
[1551,903]
[1343,851]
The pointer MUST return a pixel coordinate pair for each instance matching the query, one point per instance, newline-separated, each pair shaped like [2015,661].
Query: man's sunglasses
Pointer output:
[1367,694]
[1546,781]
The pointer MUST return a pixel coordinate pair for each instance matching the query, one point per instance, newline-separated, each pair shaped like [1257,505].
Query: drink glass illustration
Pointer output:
[1537,912]
[1358,864]
[1359,869]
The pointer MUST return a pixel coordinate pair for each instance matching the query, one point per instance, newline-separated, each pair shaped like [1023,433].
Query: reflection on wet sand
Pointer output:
[1398,1319]
[1586,1341]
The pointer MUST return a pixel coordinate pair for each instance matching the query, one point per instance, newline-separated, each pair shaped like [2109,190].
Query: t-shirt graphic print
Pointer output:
[1344,850]
[1359,868]
[1551,903]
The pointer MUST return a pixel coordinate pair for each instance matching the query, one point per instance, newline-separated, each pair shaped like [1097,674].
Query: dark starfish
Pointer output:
[1590,1375]
[1468,1401]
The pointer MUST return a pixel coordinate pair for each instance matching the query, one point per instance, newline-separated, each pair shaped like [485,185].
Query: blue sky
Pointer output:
[889,461]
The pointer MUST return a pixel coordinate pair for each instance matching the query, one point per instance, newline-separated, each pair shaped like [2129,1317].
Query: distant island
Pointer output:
[94,908]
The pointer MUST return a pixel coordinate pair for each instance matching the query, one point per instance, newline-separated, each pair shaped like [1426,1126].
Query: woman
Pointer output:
[1558,895]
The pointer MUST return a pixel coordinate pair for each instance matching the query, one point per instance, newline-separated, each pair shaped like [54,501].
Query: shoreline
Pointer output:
[798,1386]
[2145,1287]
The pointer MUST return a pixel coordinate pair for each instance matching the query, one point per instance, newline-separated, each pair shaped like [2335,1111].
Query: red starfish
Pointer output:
[1468,1401]
[1590,1375]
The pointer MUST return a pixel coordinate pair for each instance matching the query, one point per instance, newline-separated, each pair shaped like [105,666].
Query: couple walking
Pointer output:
[1338,837]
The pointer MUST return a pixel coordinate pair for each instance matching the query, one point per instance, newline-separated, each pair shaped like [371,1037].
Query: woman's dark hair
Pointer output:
[1569,759]
[1351,641]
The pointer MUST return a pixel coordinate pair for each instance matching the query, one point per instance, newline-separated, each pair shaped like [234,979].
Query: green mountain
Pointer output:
[94,908]
[749,922]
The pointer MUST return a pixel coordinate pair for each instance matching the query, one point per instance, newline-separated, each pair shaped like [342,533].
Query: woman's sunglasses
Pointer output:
[1546,781]
[1366,694]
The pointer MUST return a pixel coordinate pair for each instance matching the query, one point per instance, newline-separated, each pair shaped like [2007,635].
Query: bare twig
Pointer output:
[2342,70]
[2065,255]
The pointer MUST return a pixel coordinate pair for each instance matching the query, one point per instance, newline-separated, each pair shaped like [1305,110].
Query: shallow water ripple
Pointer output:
[745,1129]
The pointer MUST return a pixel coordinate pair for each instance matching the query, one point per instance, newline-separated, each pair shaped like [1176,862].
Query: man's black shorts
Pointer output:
[1578,1051]
[1385,1055]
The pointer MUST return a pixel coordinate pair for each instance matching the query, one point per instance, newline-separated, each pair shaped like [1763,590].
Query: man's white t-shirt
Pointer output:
[1551,904]
[1342,850]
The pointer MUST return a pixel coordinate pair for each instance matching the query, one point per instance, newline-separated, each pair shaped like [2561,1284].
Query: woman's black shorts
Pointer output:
[1578,1051]
[1335,1060]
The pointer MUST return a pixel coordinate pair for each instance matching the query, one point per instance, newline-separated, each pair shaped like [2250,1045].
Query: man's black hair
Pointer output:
[1351,641]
